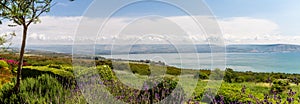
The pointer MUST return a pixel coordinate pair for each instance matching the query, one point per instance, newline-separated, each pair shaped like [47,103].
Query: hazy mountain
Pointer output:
[163,48]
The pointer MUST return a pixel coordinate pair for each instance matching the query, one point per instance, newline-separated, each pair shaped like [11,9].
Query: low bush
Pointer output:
[105,62]
[173,70]
[142,69]
[3,64]
[201,75]
[5,73]
[279,86]
[43,89]
[154,90]
[65,77]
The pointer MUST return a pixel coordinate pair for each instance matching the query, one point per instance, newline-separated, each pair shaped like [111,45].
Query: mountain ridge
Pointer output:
[167,48]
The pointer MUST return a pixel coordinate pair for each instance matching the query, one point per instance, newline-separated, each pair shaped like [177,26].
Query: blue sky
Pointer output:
[242,21]
[285,13]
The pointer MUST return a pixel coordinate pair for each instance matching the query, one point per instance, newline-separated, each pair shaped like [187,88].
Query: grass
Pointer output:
[128,77]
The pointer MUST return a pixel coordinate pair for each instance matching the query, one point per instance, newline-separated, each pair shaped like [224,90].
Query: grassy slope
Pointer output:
[230,90]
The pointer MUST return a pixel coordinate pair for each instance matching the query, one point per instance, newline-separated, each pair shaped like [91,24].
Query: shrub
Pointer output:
[106,73]
[65,77]
[217,74]
[160,89]
[105,62]
[173,70]
[201,75]
[3,64]
[121,66]
[5,73]
[43,89]
[55,66]
[280,85]
[239,79]
[142,69]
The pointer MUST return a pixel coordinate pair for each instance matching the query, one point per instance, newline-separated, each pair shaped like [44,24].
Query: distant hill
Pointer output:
[164,48]
[263,48]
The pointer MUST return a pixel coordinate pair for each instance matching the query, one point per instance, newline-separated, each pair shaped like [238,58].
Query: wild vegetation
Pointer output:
[52,79]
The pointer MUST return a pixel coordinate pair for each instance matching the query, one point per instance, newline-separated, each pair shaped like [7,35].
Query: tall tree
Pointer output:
[23,13]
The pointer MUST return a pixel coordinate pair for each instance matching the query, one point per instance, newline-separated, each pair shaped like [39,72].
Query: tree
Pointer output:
[23,13]
[229,75]
[5,39]
[217,74]
[280,85]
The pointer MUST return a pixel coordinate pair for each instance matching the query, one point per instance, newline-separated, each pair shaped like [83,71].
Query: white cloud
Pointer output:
[62,4]
[177,29]
[52,30]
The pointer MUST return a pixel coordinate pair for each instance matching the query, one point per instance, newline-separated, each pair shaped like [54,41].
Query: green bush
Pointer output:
[65,77]
[33,71]
[217,74]
[173,70]
[3,64]
[105,62]
[106,73]
[164,90]
[142,69]
[280,85]
[201,75]
[43,89]
[239,79]
[120,66]
[55,66]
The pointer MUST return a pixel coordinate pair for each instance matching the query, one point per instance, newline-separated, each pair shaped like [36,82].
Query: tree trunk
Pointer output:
[21,58]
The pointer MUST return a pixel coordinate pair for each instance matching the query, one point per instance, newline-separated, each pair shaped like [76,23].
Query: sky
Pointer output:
[241,22]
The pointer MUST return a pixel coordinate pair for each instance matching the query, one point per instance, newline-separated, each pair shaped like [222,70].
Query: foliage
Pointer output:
[5,73]
[153,90]
[3,64]
[145,69]
[23,13]
[173,71]
[65,77]
[201,75]
[238,87]
[106,62]
[279,86]
[43,89]
[217,74]
[229,75]
[33,71]
[5,40]
[141,69]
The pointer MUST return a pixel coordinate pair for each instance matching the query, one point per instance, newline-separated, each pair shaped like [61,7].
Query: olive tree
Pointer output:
[23,13]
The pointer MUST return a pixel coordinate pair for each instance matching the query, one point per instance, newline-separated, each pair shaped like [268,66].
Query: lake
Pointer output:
[288,62]
[257,62]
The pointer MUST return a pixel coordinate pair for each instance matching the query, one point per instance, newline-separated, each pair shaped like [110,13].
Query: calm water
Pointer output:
[258,62]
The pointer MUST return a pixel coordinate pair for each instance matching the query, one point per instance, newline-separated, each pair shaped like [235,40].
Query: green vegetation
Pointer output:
[5,73]
[23,13]
[43,89]
[57,81]
[3,64]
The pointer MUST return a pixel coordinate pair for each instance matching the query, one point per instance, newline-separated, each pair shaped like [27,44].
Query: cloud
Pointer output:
[247,30]
[51,30]
[36,36]
[62,4]
[152,29]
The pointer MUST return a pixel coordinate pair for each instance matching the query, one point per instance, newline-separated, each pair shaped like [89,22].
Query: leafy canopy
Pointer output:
[23,12]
